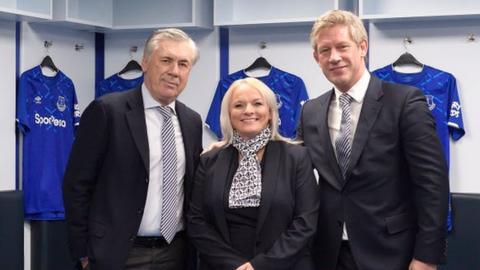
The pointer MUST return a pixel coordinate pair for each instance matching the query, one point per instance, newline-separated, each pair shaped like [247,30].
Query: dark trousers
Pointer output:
[152,255]
[345,258]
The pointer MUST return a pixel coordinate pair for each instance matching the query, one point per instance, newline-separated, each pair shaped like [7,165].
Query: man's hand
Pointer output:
[84,262]
[245,266]
[419,265]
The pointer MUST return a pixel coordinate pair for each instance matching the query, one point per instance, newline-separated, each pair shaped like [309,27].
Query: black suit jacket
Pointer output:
[287,215]
[106,180]
[394,200]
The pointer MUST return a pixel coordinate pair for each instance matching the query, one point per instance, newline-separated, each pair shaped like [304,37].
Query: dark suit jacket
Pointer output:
[394,200]
[106,180]
[287,215]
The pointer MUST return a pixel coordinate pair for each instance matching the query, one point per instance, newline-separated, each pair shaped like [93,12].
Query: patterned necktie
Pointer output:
[343,143]
[169,220]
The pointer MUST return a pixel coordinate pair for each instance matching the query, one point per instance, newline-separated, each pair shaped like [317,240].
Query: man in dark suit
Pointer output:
[383,177]
[130,172]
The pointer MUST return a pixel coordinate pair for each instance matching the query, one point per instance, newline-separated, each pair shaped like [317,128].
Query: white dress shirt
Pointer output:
[152,214]
[357,92]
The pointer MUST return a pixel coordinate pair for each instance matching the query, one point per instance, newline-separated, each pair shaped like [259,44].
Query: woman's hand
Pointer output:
[245,266]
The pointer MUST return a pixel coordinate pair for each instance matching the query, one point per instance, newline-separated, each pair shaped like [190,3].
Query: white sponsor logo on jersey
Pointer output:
[49,120]
[76,110]
[455,109]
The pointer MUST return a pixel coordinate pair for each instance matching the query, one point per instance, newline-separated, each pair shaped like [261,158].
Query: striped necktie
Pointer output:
[169,219]
[343,144]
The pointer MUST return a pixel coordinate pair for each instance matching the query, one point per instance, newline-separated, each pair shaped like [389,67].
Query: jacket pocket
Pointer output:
[400,222]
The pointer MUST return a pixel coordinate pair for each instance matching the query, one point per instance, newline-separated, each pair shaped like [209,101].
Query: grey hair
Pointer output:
[174,34]
[265,92]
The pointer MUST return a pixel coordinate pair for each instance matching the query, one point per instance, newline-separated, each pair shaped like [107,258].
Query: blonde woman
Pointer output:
[255,199]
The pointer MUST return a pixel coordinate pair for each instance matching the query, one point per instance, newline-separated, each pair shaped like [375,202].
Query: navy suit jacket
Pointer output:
[287,214]
[106,180]
[394,200]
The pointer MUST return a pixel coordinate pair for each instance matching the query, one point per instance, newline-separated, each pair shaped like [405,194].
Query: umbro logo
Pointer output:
[37,100]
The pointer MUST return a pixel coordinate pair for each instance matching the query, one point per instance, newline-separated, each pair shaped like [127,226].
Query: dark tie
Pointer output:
[169,220]
[343,143]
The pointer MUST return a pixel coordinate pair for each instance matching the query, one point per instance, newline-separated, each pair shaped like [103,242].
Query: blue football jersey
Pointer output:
[116,83]
[289,89]
[47,113]
[440,89]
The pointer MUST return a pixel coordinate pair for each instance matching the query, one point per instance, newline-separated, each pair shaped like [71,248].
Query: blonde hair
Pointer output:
[270,99]
[174,34]
[339,17]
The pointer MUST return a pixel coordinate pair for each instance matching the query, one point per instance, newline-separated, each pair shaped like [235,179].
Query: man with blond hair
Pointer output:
[382,174]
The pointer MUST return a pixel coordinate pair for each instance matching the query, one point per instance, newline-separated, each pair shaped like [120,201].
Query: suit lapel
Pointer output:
[219,180]
[269,181]
[136,122]
[326,140]
[184,121]
[370,109]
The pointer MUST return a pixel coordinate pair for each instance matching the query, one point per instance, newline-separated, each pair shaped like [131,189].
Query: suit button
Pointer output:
[146,180]
[132,238]
[140,211]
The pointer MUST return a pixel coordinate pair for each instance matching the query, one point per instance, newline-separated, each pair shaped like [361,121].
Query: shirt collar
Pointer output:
[149,102]
[358,90]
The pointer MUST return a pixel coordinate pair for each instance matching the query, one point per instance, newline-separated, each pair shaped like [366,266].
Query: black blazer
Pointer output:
[287,215]
[106,180]
[394,200]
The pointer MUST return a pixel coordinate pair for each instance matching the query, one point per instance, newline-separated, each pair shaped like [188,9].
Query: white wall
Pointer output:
[117,50]
[444,45]
[203,78]
[78,65]
[7,105]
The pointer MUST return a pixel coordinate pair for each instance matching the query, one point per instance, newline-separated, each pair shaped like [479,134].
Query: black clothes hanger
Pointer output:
[407,59]
[48,62]
[260,62]
[131,66]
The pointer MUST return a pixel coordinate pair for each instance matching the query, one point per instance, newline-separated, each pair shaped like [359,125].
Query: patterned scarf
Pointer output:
[247,182]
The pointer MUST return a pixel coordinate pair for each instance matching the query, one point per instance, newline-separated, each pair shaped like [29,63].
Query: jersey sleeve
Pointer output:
[76,109]
[213,116]
[455,119]
[23,101]
[301,99]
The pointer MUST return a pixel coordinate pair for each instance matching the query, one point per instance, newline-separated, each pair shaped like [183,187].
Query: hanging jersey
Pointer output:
[116,83]
[441,92]
[289,89]
[47,113]
[440,89]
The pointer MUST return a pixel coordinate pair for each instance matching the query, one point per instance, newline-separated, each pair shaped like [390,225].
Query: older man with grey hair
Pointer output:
[132,165]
